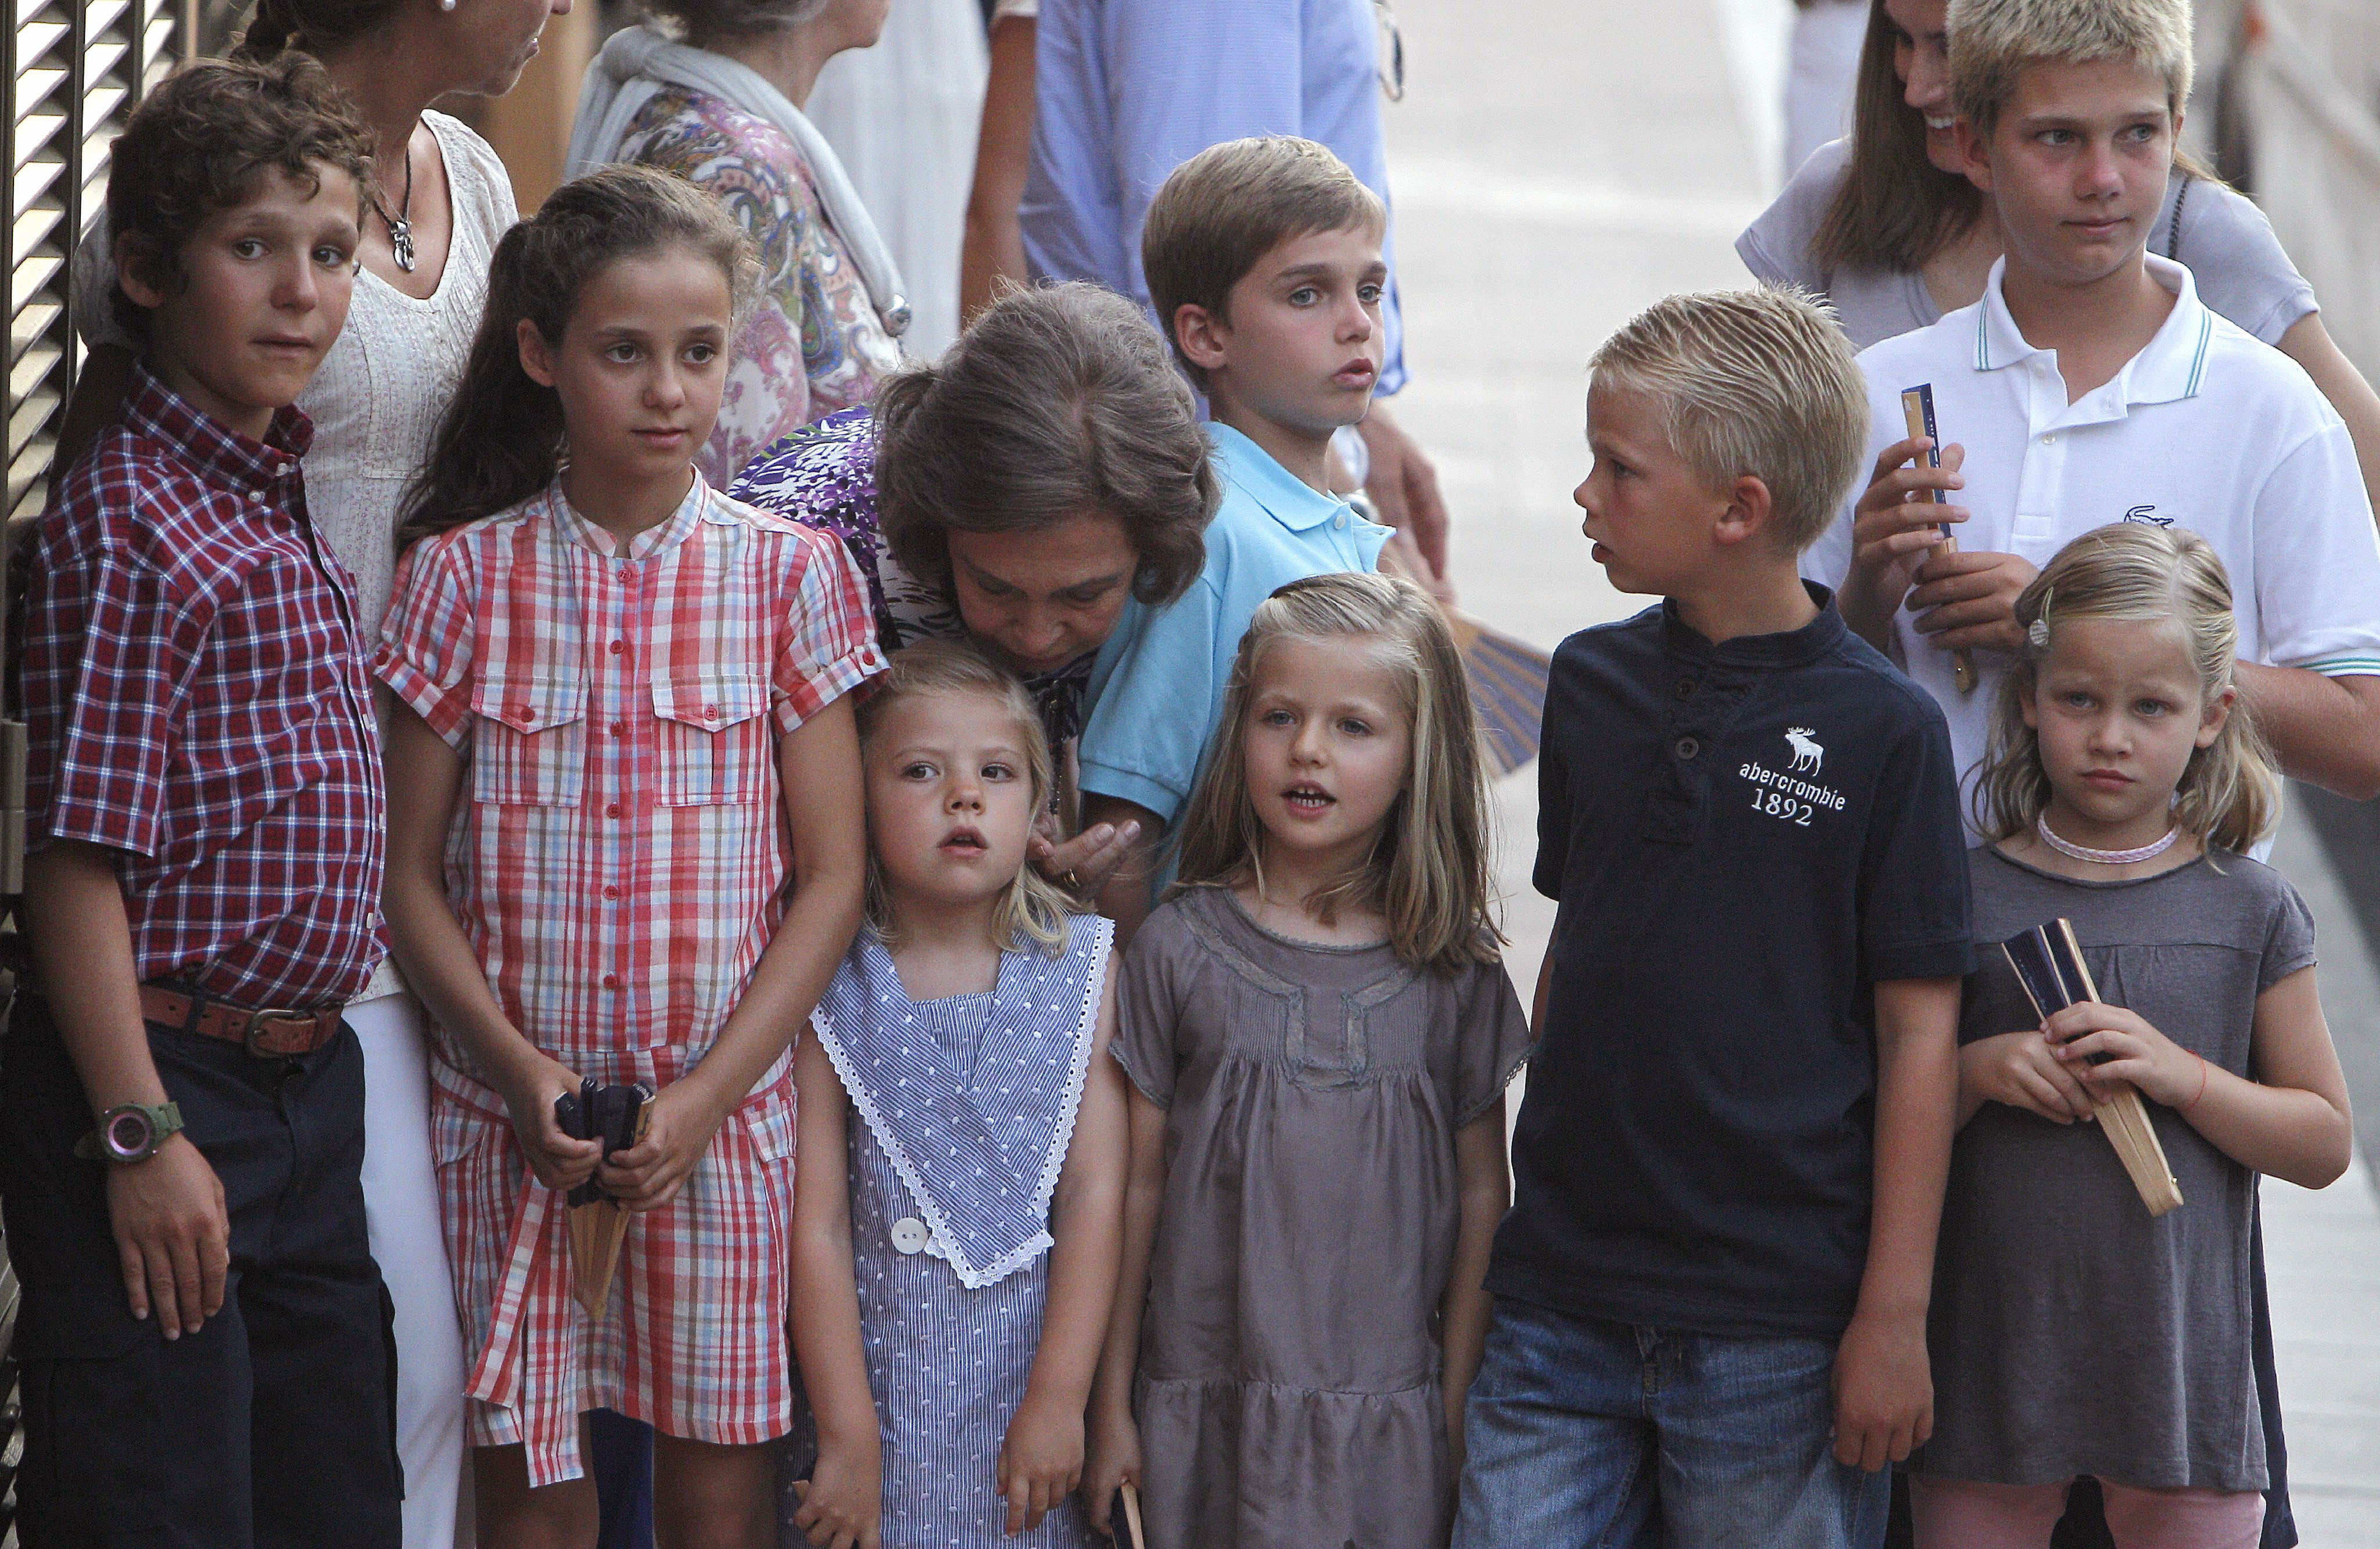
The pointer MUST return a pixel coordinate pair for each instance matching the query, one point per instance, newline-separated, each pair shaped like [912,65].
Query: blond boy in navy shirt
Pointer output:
[1711,1290]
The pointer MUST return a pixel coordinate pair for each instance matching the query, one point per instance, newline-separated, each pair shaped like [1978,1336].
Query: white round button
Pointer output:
[909,1233]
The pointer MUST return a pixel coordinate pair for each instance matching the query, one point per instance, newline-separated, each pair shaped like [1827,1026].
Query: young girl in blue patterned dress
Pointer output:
[959,1189]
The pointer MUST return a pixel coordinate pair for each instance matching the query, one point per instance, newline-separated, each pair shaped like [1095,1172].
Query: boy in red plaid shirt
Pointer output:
[203,1333]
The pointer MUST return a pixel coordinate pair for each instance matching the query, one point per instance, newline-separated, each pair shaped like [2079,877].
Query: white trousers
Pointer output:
[401,1206]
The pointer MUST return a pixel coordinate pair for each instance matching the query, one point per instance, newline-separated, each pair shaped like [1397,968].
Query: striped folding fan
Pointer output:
[1507,676]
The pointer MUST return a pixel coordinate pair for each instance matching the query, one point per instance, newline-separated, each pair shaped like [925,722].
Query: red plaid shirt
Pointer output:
[194,699]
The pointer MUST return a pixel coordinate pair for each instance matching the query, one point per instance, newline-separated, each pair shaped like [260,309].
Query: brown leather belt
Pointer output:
[271,1033]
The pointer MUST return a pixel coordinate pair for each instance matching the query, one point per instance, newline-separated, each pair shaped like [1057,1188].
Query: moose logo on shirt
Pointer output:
[1780,794]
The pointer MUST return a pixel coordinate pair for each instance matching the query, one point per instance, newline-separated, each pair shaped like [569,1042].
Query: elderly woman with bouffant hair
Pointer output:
[712,91]
[1023,491]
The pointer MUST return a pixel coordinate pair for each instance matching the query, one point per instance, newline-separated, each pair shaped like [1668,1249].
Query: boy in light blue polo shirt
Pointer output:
[1263,259]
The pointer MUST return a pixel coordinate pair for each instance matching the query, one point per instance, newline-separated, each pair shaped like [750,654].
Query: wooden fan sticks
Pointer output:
[2048,963]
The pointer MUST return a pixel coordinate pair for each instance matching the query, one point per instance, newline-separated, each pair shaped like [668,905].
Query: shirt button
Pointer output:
[710,713]
[1339,521]
[1685,688]
[612,810]
[611,892]
[610,982]
[522,711]
[618,646]
[1688,748]
[619,729]
[2049,441]
[909,1235]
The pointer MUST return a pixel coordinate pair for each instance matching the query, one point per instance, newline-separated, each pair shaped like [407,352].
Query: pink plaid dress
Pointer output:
[619,865]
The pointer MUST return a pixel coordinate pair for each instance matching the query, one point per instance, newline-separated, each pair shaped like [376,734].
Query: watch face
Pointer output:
[128,1135]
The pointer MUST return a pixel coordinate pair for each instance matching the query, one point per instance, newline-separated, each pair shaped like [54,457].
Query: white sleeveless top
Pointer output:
[376,399]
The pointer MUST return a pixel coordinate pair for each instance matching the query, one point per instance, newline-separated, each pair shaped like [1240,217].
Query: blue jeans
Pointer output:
[1589,1434]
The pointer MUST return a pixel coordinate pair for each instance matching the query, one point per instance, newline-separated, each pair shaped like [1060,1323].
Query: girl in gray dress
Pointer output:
[959,1186]
[1319,1029]
[2072,1334]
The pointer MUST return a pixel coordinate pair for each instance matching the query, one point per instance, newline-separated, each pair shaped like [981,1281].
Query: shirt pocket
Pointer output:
[715,742]
[529,741]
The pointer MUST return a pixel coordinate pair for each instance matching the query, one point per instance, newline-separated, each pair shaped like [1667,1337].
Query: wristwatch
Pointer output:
[130,1133]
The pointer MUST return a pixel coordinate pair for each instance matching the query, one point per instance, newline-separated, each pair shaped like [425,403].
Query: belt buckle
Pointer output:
[250,1032]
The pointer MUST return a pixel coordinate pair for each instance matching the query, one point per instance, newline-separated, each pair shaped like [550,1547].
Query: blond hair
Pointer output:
[1230,204]
[1752,382]
[2230,793]
[1032,910]
[1991,41]
[1427,872]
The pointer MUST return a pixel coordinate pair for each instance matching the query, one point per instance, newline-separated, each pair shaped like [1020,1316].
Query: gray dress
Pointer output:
[2219,235]
[2070,1333]
[1288,1389]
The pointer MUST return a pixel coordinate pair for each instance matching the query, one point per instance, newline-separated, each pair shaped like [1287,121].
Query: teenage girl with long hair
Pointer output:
[620,790]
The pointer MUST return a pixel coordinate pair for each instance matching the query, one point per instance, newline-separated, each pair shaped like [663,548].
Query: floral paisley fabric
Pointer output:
[813,345]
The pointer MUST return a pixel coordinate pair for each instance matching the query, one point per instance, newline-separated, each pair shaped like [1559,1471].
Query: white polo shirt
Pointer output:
[2205,429]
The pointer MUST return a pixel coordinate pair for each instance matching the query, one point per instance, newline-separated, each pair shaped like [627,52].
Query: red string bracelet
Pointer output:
[2202,1069]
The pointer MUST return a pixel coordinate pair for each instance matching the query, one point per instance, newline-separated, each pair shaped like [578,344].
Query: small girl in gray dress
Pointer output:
[2070,1333]
[959,1189]
[1319,1029]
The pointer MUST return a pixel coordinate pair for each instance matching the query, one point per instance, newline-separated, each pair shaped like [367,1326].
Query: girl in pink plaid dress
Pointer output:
[616,678]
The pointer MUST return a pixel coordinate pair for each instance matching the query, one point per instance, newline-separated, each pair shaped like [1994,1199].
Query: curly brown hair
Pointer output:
[1055,402]
[198,144]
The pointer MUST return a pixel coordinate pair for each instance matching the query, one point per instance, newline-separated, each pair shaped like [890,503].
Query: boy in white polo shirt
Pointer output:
[2091,385]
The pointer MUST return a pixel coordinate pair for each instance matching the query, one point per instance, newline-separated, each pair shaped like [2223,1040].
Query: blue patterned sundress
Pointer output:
[962,1112]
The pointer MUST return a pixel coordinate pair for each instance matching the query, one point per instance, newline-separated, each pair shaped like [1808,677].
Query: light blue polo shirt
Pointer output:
[1157,690]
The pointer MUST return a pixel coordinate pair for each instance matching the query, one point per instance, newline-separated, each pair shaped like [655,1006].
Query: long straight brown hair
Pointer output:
[500,439]
[1894,209]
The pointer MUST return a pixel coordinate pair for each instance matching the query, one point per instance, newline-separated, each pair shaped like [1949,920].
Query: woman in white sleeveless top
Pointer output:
[437,211]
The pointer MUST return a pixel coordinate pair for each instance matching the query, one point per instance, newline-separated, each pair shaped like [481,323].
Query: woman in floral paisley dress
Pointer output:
[816,342]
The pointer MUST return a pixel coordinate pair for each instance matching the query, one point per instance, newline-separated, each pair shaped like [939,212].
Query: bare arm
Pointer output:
[173,1234]
[993,250]
[843,1500]
[1484,1182]
[1883,1388]
[2325,730]
[1123,897]
[2291,1121]
[1115,1440]
[2310,345]
[819,760]
[1041,1458]
[425,780]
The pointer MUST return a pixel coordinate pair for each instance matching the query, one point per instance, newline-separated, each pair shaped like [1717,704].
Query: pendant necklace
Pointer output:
[2103,857]
[400,227]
